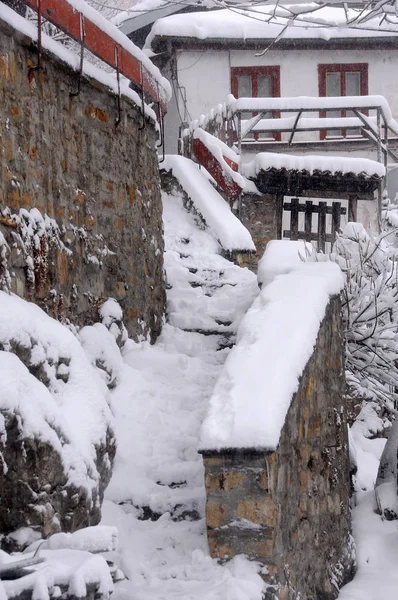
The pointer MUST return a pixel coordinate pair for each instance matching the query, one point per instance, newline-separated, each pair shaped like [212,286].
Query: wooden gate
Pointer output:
[321,236]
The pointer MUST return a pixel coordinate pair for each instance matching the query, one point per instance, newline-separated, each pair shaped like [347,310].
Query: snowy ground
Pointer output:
[376,539]
[156,497]
[159,407]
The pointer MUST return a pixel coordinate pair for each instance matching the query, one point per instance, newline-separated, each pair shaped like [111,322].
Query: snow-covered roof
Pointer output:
[325,24]
[362,167]
[261,374]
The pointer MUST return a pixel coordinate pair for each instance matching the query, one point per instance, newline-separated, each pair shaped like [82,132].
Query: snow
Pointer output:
[281,257]
[305,124]
[109,28]
[303,103]
[90,539]
[159,405]
[254,391]
[253,24]
[311,163]
[45,412]
[377,553]
[213,143]
[111,311]
[220,150]
[298,104]
[71,568]
[102,351]
[109,80]
[220,220]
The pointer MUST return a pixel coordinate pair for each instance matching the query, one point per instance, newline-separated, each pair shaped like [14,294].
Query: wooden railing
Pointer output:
[91,36]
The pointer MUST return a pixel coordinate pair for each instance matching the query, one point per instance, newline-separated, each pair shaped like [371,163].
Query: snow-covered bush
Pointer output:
[56,438]
[111,316]
[370,311]
[102,350]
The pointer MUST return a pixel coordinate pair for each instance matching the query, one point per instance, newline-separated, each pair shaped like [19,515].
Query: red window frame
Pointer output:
[254,72]
[361,68]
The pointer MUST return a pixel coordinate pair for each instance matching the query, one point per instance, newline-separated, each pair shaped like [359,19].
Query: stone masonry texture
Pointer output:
[262,216]
[289,509]
[63,155]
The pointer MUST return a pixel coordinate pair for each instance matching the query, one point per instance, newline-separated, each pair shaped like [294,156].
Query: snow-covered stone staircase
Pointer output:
[207,293]
[157,497]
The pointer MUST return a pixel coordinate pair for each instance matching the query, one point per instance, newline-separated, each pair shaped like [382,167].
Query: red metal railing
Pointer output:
[79,27]
[216,170]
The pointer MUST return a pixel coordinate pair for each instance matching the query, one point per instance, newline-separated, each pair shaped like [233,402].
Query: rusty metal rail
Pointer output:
[83,30]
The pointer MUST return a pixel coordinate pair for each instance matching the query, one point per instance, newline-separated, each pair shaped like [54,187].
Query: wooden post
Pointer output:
[336,215]
[308,220]
[352,209]
[279,216]
[294,218]
[322,226]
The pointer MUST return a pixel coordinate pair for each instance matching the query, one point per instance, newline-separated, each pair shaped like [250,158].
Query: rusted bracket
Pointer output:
[161,125]
[142,126]
[39,40]
[82,36]
[119,101]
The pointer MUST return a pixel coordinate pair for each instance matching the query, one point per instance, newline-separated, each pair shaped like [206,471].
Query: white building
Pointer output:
[209,55]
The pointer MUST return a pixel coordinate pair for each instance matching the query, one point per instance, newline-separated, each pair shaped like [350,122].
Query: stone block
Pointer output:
[226,481]
[216,515]
[314,427]
[262,511]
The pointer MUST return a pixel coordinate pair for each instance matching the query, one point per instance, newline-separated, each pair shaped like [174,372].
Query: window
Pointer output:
[257,82]
[342,80]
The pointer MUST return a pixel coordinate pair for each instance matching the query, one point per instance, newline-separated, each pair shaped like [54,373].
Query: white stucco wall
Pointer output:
[206,74]
[206,79]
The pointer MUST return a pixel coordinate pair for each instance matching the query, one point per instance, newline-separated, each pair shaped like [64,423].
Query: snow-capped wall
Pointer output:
[274,441]
[274,343]
[97,183]
[291,506]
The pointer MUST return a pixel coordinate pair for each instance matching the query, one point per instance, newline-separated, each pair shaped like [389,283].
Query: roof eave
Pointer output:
[160,43]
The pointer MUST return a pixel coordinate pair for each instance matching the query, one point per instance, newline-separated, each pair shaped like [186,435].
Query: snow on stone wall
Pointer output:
[57,443]
[102,236]
[275,340]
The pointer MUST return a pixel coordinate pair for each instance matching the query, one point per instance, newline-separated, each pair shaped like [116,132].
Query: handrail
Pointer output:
[67,18]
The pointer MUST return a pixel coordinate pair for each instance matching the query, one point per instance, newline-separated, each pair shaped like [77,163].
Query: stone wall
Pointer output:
[289,509]
[64,156]
[262,216]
